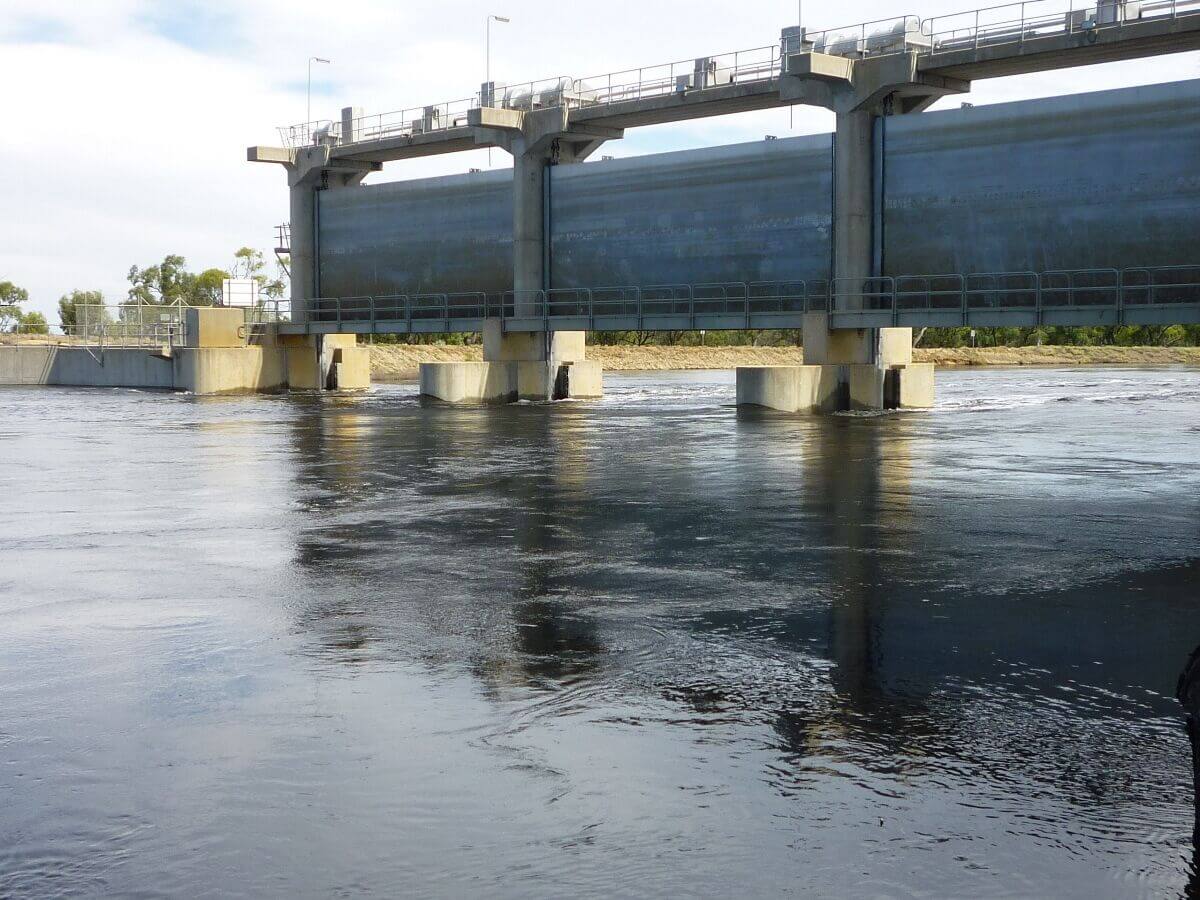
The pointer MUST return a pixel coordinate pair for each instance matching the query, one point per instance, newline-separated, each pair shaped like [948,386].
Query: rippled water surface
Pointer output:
[315,646]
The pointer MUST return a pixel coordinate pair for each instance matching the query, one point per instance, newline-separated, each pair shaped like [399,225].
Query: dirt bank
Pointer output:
[399,362]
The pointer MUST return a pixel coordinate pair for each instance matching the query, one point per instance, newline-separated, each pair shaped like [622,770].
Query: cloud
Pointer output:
[127,120]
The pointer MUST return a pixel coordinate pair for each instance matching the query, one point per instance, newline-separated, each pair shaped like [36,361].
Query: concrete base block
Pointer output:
[916,386]
[867,388]
[827,389]
[808,389]
[895,346]
[507,382]
[215,326]
[585,380]
[469,382]
[230,370]
[352,369]
[525,346]
[845,346]
[304,371]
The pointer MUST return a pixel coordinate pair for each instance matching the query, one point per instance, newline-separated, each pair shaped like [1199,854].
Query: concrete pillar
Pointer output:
[854,195]
[864,355]
[540,353]
[303,246]
[529,220]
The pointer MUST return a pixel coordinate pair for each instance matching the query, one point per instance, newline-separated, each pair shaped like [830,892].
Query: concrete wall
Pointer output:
[215,370]
[76,367]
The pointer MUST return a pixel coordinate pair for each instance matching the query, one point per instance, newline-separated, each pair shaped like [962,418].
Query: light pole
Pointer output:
[308,109]
[488,71]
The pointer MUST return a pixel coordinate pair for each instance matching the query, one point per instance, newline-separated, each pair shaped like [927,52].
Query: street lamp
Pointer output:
[308,109]
[488,72]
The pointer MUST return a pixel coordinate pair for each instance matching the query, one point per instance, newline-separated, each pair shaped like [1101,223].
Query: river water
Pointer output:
[654,645]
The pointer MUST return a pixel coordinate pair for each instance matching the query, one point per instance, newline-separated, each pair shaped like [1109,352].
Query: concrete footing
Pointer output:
[829,388]
[508,382]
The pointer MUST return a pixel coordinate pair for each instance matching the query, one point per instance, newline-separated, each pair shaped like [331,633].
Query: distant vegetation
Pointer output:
[13,317]
[170,282]
[163,284]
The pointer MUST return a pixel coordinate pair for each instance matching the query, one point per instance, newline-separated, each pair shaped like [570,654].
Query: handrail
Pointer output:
[1056,289]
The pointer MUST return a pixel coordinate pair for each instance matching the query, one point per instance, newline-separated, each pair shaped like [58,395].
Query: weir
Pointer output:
[899,218]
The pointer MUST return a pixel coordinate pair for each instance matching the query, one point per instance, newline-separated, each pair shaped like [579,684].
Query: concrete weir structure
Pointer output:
[891,189]
[220,354]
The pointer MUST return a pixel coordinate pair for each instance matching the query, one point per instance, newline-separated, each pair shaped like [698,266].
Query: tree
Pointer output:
[250,265]
[33,322]
[83,313]
[166,283]
[11,298]
[207,288]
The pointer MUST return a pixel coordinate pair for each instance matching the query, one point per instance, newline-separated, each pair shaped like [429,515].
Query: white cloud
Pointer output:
[127,120]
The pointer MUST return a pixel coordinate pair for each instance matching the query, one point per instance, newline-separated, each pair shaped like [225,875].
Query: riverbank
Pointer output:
[400,362]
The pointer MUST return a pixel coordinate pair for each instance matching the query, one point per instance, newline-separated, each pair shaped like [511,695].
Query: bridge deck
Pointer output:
[965,54]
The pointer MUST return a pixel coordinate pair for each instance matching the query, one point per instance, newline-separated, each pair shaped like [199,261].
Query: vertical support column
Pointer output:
[854,195]
[303,246]
[538,355]
[864,355]
[529,220]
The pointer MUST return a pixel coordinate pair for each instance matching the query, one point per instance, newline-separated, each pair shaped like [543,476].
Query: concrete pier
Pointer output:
[832,388]
[539,366]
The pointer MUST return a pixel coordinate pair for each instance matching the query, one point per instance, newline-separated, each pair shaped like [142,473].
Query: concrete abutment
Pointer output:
[221,355]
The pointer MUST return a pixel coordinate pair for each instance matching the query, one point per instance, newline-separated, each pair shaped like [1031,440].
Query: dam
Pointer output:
[1073,210]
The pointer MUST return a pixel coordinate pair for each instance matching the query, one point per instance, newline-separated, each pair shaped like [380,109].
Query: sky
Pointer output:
[129,119]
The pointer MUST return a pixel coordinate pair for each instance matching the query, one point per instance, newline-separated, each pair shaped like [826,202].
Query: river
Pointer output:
[653,645]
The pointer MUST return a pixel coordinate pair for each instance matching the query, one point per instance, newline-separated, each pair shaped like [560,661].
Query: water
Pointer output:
[305,646]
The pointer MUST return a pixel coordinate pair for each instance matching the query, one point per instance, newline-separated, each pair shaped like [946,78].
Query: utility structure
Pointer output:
[862,74]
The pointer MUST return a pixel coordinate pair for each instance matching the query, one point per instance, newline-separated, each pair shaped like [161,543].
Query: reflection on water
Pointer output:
[644,646]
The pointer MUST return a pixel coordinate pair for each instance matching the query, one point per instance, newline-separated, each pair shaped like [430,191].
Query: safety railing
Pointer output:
[753,302]
[995,26]
[1055,290]
[94,325]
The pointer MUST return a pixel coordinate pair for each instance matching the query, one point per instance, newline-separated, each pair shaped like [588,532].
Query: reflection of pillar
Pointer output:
[1189,696]
[857,478]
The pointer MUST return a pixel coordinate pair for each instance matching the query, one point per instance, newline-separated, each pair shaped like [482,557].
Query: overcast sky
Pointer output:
[128,120]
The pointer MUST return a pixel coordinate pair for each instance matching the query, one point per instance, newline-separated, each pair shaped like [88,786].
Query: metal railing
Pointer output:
[745,304]
[995,26]
[121,325]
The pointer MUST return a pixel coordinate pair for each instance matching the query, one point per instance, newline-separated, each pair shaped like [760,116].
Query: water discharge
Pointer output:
[654,645]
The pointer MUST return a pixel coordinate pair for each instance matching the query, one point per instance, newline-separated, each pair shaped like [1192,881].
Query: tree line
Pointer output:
[164,284]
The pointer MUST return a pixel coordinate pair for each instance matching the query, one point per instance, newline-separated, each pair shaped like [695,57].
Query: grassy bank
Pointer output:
[397,362]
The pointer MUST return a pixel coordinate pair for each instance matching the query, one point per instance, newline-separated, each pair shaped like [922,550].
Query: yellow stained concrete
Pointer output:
[227,370]
[352,368]
[215,326]
[808,389]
